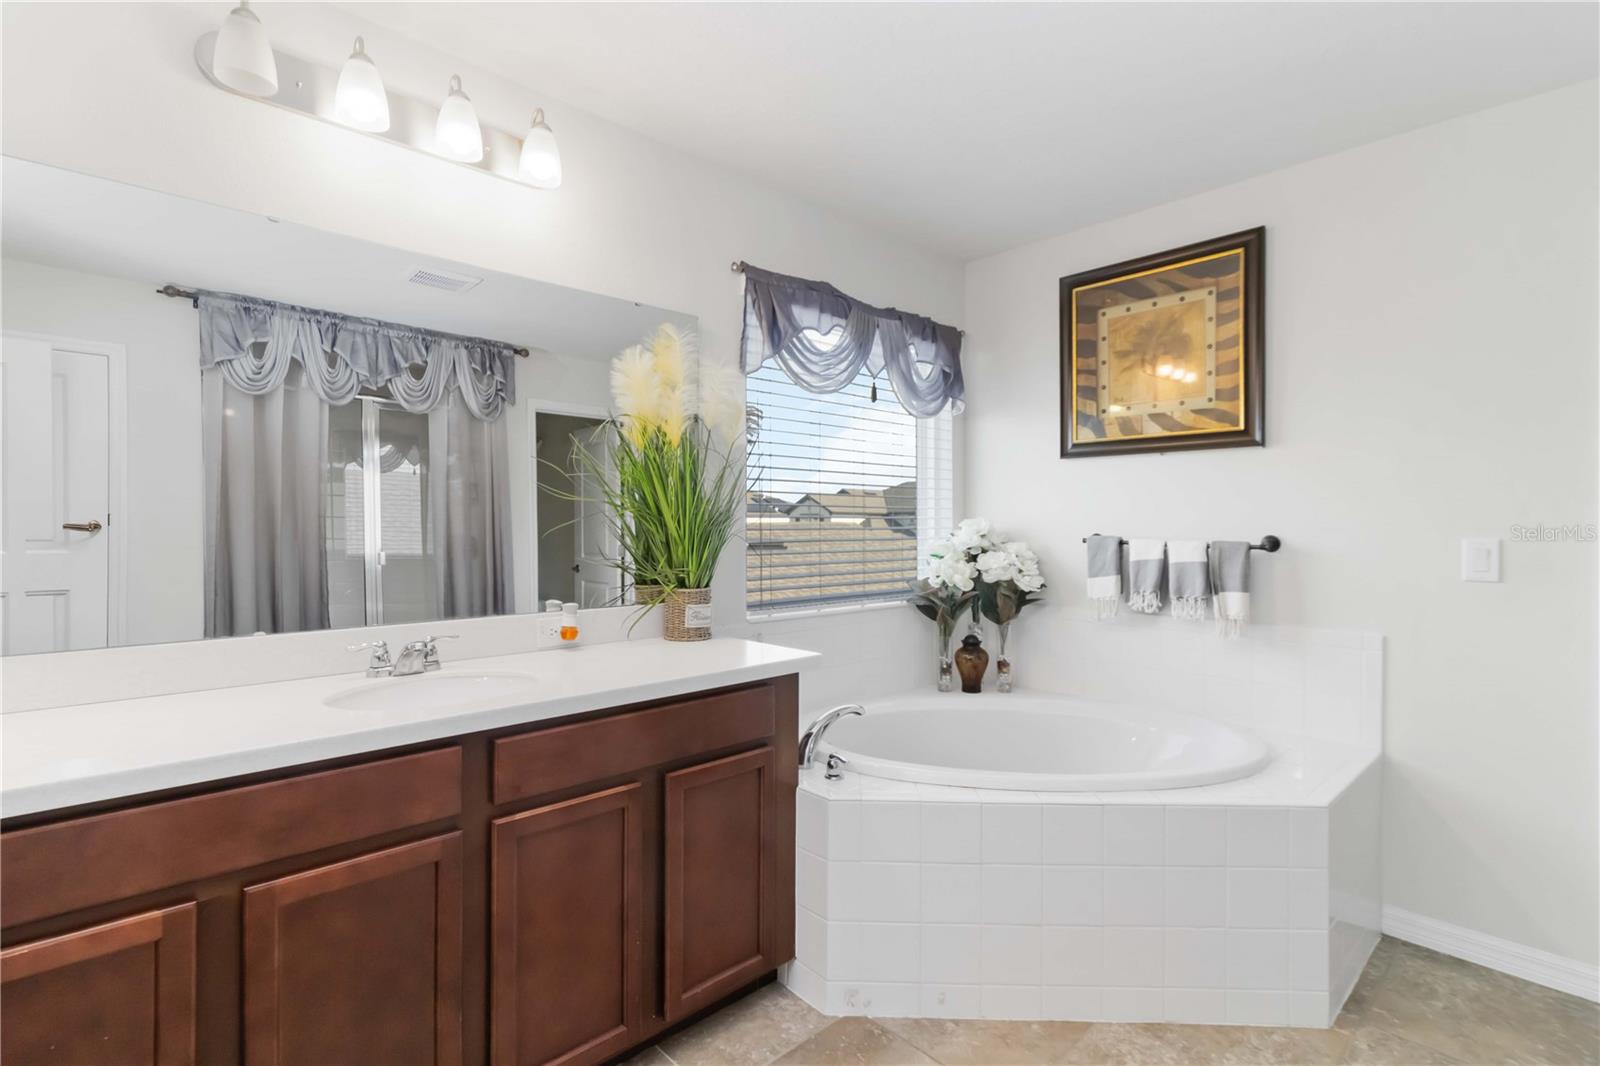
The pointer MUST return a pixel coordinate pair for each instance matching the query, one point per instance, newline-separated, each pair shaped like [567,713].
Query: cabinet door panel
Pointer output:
[565,936]
[722,845]
[359,961]
[121,993]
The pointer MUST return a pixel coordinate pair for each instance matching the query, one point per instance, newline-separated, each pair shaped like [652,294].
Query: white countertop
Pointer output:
[64,756]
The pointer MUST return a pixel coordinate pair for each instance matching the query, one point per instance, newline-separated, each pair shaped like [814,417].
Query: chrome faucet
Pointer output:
[420,656]
[813,736]
[417,657]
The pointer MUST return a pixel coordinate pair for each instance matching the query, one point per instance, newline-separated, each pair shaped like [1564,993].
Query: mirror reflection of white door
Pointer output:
[598,582]
[55,474]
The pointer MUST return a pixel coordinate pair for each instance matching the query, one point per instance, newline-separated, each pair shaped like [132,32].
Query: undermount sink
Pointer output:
[431,692]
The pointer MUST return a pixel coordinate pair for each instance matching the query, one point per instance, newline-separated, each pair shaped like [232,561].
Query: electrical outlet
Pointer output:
[547,631]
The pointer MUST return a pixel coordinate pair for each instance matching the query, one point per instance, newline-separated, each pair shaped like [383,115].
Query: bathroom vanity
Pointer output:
[556,889]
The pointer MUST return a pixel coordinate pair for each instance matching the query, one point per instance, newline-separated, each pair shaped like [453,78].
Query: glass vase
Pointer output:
[947,681]
[1002,665]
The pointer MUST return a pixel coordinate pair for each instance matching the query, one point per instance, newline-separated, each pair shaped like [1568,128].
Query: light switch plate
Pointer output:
[1480,559]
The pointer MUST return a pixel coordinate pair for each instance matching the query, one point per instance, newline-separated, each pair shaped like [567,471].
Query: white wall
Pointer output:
[119,96]
[1431,374]
[162,522]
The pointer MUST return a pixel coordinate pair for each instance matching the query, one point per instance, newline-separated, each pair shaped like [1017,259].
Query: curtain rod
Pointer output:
[194,298]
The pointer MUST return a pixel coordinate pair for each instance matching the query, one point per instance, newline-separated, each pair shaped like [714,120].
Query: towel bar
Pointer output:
[1269,543]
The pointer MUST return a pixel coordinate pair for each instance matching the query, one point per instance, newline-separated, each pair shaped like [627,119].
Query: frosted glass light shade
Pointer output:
[456,135]
[360,101]
[243,57]
[540,163]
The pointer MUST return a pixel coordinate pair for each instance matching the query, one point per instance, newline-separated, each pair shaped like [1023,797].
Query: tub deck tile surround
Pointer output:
[1249,903]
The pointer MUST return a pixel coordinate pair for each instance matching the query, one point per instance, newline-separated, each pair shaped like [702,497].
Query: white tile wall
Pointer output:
[967,903]
[1322,683]
[1073,835]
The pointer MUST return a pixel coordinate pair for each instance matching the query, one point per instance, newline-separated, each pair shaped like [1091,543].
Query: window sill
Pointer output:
[782,614]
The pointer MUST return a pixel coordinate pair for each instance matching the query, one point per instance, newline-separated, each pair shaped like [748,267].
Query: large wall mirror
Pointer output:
[329,434]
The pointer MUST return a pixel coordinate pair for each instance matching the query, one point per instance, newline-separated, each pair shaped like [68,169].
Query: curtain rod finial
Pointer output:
[736,266]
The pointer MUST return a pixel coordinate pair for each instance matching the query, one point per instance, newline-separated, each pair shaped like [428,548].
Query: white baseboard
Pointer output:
[1530,964]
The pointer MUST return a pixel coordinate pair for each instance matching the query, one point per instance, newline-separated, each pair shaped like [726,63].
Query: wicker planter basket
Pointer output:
[686,615]
[646,595]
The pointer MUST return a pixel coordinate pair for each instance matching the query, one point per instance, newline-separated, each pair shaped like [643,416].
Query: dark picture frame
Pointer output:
[1165,352]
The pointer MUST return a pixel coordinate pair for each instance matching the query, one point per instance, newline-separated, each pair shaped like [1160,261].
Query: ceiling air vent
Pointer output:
[443,279]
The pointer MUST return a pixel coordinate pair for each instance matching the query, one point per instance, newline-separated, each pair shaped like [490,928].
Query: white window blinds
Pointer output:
[847,493]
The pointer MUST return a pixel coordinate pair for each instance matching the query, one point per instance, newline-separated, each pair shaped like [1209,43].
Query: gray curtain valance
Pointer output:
[255,341]
[921,357]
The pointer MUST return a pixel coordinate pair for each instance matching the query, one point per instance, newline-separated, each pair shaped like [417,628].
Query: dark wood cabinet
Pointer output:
[535,895]
[358,961]
[721,862]
[121,993]
[567,989]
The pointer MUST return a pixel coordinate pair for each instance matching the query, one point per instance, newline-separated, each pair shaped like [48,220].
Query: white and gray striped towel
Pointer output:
[1230,585]
[1147,566]
[1189,578]
[1104,557]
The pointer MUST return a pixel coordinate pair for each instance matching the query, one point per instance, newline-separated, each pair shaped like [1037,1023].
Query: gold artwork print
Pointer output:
[1158,353]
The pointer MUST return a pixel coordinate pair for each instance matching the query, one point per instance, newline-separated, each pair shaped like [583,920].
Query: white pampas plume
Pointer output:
[636,390]
[722,399]
[677,370]
[675,355]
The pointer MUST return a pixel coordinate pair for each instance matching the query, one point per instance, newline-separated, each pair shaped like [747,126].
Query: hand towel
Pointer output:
[1230,585]
[1105,574]
[1189,579]
[1147,566]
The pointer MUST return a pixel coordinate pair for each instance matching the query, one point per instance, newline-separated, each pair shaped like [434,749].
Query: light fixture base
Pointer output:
[309,88]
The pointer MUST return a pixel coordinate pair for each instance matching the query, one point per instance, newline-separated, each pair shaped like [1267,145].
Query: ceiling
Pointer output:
[64,219]
[971,128]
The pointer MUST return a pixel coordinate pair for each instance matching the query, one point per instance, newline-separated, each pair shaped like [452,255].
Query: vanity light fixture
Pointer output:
[360,101]
[540,162]
[239,59]
[243,60]
[456,135]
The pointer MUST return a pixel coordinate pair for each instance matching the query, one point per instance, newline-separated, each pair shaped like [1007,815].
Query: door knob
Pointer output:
[90,526]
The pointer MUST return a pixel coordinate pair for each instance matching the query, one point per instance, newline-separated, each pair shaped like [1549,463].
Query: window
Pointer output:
[847,492]
[378,542]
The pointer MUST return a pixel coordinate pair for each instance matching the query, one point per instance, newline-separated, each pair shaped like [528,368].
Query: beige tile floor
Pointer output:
[1412,1007]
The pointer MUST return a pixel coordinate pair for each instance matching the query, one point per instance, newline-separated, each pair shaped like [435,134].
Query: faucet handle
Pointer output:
[835,760]
[379,664]
[430,650]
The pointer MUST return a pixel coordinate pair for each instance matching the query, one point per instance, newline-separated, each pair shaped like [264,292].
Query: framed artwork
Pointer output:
[1164,353]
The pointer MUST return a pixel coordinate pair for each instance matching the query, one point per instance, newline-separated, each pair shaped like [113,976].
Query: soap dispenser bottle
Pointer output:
[569,624]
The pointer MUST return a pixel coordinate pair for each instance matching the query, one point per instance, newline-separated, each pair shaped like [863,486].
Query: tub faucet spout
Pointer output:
[813,736]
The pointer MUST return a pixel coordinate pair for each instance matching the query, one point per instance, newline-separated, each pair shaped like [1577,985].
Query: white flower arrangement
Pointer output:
[976,567]
[973,555]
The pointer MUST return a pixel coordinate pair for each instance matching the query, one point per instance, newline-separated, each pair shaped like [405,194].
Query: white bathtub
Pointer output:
[1041,744]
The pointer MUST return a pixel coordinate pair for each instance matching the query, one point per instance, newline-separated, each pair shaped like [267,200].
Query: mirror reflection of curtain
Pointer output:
[264,455]
[469,511]
[406,487]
